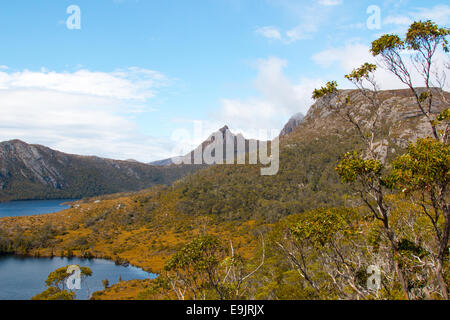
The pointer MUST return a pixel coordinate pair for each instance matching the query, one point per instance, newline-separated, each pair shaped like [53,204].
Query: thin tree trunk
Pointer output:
[441,280]
[442,253]
[397,268]
[400,276]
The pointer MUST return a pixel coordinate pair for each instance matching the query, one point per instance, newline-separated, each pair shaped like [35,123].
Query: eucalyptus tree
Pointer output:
[366,171]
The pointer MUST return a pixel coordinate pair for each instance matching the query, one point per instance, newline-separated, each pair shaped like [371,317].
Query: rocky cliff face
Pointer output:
[293,123]
[400,120]
[31,162]
[34,171]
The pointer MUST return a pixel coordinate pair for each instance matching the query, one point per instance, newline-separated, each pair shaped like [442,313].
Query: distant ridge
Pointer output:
[37,172]
[226,135]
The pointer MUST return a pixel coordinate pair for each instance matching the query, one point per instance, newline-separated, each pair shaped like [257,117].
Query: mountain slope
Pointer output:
[308,156]
[37,172]
[225,134]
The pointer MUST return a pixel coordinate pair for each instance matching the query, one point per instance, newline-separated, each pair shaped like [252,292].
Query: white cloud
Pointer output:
[269,32]
[278,100]
[347,57]
[353,55]
[330,2]
[83,112]
[440,14]
[310,17]
[398,20]
[130,84]
[301,32]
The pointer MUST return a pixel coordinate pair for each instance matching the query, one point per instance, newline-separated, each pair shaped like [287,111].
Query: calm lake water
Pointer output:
[31,207]
[23,277]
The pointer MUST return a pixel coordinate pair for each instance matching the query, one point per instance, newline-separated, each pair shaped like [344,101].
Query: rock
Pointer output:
[293,123]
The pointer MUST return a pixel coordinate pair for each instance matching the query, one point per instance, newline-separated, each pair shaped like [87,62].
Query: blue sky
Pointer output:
[138,72]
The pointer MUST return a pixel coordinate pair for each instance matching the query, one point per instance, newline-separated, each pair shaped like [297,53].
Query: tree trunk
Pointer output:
[441,280]
[397,268]
[442,254]
[400,276]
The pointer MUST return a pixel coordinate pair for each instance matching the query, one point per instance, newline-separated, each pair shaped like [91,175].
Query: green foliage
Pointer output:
[320,226]
[53,293]
[56,284]
[330,88]
[332,248]
[203,269]
[386,44]
[426,164]
[57,278]
[444,115]
[407,247]
[422,33]
[320,246]
[362,72]
[424,96]
[202,254]
[352,167]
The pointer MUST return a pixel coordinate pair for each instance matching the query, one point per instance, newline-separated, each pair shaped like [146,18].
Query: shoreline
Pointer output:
[46,255]
[47,199]
[123,263]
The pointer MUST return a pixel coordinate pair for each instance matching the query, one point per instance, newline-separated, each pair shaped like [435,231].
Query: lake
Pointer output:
[32,207]
[23,277]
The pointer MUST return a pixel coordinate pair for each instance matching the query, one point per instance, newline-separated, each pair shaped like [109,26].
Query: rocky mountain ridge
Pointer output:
[37,172]
[223,133]
[400,121]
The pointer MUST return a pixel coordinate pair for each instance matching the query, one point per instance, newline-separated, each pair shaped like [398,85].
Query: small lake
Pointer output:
[23,277]
[32,207]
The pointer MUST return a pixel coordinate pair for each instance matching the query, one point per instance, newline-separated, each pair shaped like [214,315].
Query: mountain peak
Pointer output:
[226,134]
[15,141]
[298,116]
[293,123]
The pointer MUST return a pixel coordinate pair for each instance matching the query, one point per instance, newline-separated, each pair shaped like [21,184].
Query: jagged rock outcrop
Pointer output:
[225,134]
[400,120]
[293,123]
